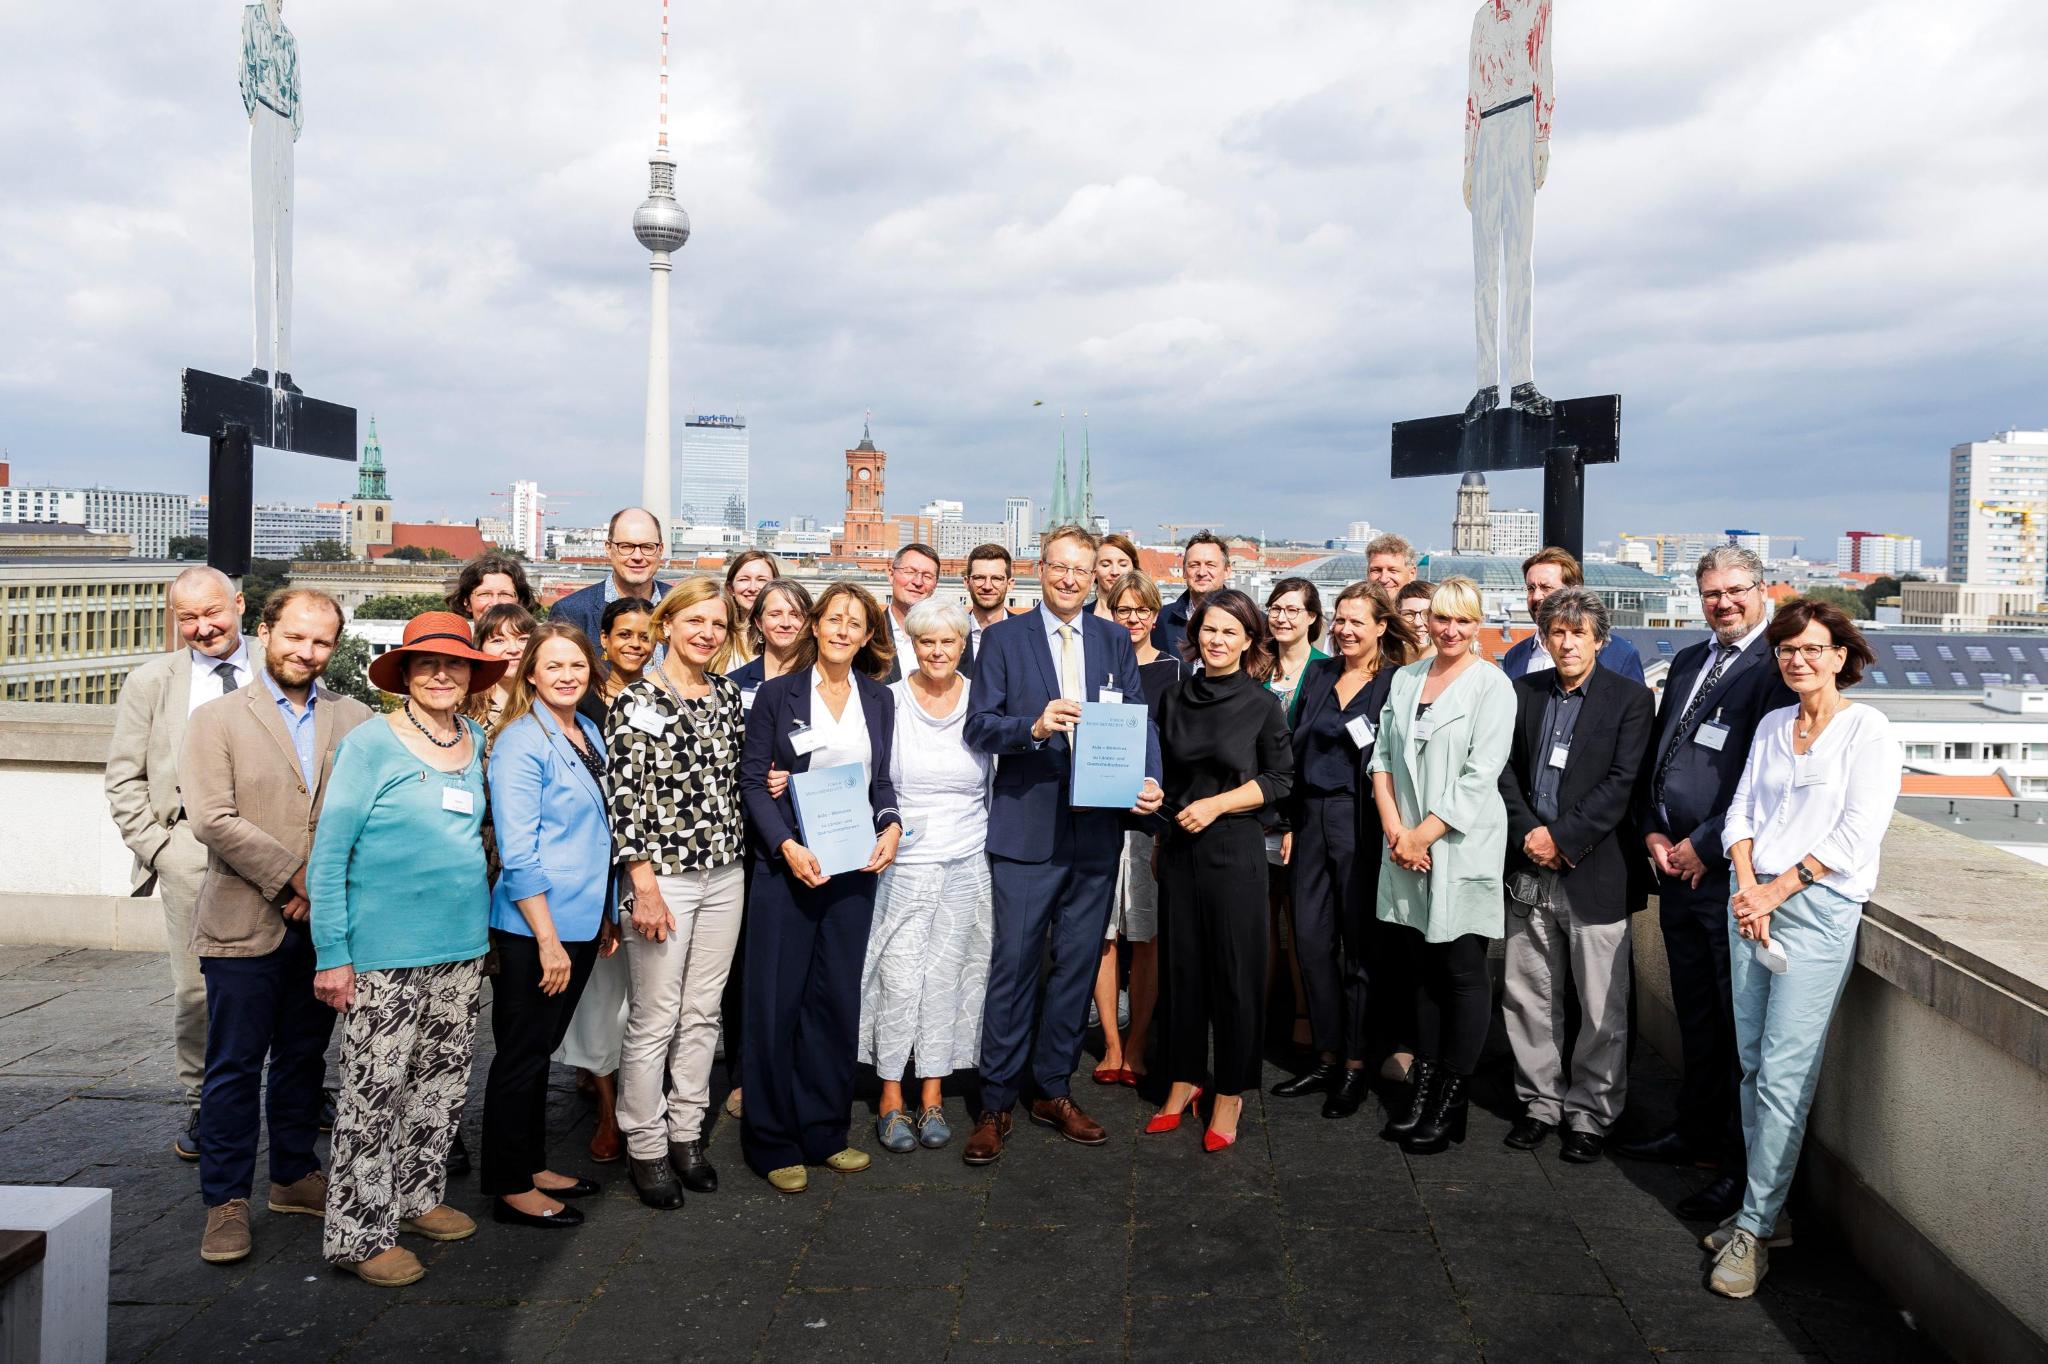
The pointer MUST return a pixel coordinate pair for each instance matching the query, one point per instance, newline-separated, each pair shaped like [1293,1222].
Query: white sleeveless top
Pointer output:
[941,784]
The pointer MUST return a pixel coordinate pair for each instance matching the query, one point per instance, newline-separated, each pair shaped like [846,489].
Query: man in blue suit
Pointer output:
[634,545]
[1543,573]
[1053,866]
[1714,696]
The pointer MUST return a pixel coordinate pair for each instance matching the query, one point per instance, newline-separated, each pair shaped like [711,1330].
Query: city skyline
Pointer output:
[1264,257]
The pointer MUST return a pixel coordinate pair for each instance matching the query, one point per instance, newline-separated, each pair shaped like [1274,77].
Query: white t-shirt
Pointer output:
[941,784]
[1834,803]
[841,741]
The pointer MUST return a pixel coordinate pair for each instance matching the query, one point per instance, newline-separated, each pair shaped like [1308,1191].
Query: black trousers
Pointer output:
[1212,951]
[527,1027]
[1454,1001]
[1333,924]
[258,1007]
[1695,924]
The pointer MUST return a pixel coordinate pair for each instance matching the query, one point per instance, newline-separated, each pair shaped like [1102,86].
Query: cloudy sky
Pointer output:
[1803,241]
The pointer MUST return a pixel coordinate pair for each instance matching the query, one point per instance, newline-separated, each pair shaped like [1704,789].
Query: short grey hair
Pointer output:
[1575,606]
[1391,543]
[199,578]
[934,614]
[1724,557]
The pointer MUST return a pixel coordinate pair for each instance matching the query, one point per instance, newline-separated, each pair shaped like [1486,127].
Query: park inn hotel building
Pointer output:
[710,475]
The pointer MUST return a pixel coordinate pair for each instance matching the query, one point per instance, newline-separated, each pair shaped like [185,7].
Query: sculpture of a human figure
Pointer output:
[270,95]
[1508,105]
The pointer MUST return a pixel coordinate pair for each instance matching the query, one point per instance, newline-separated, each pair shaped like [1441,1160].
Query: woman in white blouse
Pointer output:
[1812,807]
[927,961]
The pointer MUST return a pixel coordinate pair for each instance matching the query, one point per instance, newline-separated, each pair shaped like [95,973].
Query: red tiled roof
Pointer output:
[464,542]
[1948,784]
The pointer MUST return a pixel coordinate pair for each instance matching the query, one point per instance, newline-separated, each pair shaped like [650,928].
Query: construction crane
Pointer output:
[2023,514]
[1677,541]
[1174,528]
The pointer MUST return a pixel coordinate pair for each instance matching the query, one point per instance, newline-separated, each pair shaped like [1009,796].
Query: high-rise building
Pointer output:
[1020,526]
[868,531]
[660,225]
[283,530]
[1998,511]
[941,510]
[73,631]
[1755,541]
[1876,551]
[711,473]
[1471,530]
[955,538]
[1514,532]
[149,520]
[369,511]
[524,507]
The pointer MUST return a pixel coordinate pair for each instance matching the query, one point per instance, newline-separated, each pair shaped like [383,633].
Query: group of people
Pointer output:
[622,814]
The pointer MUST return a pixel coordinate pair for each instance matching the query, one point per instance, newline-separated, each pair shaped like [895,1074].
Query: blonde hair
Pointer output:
[1456,599]
[693,591]
[520,700]
[1134,581]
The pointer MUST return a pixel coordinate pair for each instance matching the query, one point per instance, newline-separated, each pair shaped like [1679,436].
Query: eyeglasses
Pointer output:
[1288,612]
[1810,652]
[988,579]
[1731,594]
[916,575]
[1067,573]
[1129,613]
[635,549]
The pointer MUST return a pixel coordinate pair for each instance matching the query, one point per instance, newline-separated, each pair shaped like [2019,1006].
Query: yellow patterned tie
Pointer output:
[1070,665]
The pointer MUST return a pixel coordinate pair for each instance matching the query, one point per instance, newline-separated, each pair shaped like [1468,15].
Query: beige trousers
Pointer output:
[180,870]
[673,1009]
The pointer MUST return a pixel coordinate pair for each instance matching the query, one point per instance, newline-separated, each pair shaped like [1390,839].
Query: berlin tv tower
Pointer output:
[662,227]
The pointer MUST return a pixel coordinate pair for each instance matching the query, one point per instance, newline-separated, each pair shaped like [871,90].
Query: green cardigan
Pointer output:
[1456,777]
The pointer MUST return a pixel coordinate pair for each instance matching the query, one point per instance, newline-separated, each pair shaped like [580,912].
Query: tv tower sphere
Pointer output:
[659,222]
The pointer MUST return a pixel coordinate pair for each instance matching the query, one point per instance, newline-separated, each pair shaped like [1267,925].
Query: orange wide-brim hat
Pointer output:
[436,632]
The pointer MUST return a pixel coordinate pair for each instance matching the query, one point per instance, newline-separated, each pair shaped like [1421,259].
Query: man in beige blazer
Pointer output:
[254,768]
[142,792]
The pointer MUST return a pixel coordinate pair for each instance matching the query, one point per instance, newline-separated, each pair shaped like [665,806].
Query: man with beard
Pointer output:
[254,768]
[990,572]
[142,794]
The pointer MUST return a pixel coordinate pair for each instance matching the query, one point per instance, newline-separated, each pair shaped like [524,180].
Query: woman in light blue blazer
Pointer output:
[1444,737]
[549,913]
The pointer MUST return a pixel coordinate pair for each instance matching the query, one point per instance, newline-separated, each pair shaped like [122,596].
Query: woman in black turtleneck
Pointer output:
[1223,742]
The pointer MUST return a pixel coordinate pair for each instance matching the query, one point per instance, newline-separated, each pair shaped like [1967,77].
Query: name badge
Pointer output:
[1806,772]
[1109,696]
[803,740]
[1711,735]
[458,799]
[747,700]
[1558,754]
[1423,729]
[1361,730]
[646,719]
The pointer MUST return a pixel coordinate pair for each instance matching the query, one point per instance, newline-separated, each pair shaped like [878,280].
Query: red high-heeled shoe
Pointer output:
[1214,1141]
[1170,1122]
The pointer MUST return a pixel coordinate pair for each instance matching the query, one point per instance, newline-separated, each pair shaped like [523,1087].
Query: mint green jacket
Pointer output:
[1454,775]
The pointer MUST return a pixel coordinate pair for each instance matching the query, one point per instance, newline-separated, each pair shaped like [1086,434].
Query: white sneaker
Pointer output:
[1780,1236]
[1740,1266]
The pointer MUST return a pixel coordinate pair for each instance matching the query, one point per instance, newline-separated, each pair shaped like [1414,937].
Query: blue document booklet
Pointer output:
[833,816]
[1109,755]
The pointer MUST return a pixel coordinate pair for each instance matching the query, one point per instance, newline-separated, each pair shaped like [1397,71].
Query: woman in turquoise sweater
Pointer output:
[1443,740]
[400,928]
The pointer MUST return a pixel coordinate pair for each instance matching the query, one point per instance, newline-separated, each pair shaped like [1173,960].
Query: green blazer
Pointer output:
[1455,776]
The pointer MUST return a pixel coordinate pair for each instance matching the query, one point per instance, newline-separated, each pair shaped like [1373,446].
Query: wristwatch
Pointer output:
[1806,877]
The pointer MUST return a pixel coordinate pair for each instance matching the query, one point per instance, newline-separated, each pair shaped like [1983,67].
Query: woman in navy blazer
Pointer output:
[807,934]
[549,912]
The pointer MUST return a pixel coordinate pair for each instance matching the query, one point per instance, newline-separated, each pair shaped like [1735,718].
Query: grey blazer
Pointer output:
[142,757]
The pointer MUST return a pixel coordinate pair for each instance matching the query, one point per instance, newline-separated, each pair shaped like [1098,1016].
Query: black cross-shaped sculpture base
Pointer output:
[236,416]
[1579,431]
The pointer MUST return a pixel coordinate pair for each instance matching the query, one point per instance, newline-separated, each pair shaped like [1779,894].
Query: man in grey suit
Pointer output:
[143,795]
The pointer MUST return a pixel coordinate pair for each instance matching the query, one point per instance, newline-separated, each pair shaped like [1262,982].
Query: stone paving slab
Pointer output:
[1307,1240]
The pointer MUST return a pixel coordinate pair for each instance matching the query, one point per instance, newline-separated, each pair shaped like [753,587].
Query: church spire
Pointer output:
[1061,510]
[370,472]
[1085,508]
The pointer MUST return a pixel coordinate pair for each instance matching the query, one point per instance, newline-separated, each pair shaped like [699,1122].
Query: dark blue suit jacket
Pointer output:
[1170,630]
[781,702]
[1702,780]
[1617,655]
[584,608]
[1015,679]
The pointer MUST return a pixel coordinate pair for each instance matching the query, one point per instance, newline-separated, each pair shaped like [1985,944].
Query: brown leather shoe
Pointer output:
[392,1268]
[1065,1116]
[226,1238]
[440,1223]
[985,1144]
[306,1195]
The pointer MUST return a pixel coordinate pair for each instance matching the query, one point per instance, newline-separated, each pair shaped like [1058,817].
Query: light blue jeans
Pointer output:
[1781,1029]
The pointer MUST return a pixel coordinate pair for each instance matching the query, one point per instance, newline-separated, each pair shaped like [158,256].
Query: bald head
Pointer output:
[634,544]
[207,610]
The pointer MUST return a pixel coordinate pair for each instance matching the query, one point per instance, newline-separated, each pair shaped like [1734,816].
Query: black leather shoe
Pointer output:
[1526,398]
[1444,1121]
[185,1146]
[1580,1148]
[656,1183]
[1348,1094]
[458,1157]
[582,1188]
[1483,402]
[1322,1076]
[686,1158]
[1718,1200]
[1421,1079]
[1666,1148]
[501,1211]
[1527,1134]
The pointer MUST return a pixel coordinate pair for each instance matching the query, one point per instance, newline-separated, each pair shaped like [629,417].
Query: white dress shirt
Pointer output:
[844,740]
[1073,685]
[1833,803]
[1713,652]
[208,685]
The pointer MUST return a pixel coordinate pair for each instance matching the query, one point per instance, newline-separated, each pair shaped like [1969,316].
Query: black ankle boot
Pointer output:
[1444,1123]
[1322,1076]
[1347,1094]
[1422,1076]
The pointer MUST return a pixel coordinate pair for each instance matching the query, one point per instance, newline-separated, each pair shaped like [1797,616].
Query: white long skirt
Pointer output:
[927,968]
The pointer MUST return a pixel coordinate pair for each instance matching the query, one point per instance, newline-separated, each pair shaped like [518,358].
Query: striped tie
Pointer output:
[1725,652]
